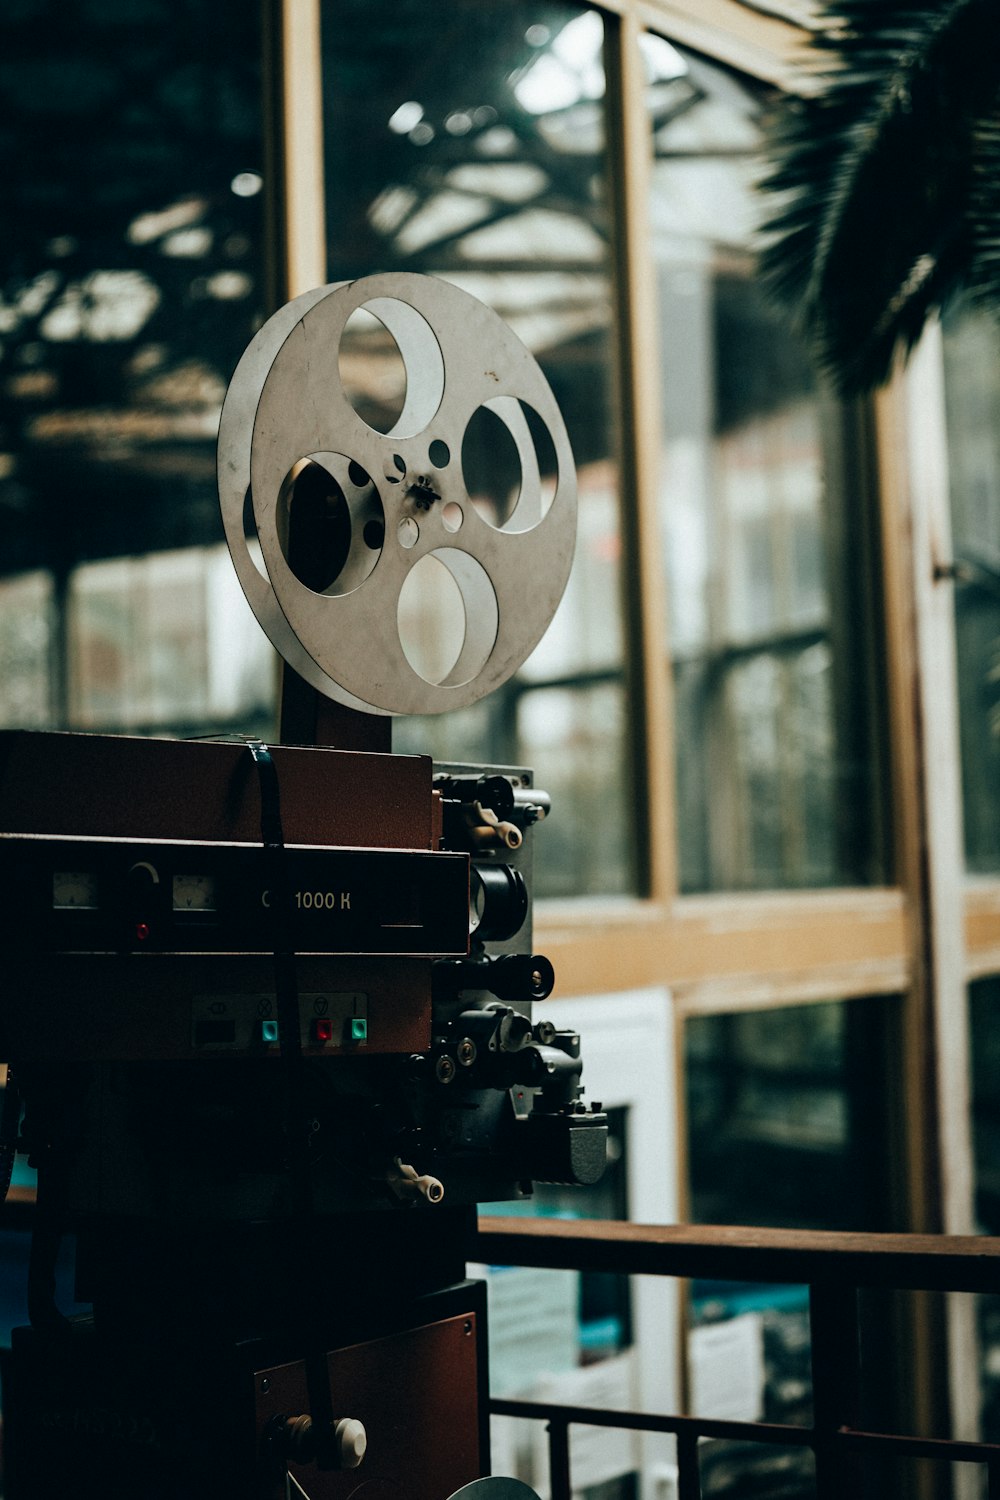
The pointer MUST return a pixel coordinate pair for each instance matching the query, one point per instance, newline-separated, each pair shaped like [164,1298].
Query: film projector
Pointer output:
[269,1008]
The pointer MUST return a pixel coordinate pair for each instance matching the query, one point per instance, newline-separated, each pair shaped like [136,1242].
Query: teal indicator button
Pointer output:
[269,1031]
[359,1029]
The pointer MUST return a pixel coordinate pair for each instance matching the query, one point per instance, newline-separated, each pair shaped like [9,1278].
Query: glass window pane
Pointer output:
[984,1010]
[767,594]
[572,738]
[470,144]
[26,648]
[972,406]
[789,1119]
[166,641]
[787,1116]
[131,279]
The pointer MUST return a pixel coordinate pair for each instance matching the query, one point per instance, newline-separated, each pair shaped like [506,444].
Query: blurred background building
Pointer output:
[768,709]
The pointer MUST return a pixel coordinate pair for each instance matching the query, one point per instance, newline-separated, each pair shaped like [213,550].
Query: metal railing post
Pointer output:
[836,1363]
[688,1472]
[559,1477]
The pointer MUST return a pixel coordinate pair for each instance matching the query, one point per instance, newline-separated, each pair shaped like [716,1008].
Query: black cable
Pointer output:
[307,1250]
[285,981]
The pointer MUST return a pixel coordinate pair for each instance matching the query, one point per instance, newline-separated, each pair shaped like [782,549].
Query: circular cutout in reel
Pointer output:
[359,528]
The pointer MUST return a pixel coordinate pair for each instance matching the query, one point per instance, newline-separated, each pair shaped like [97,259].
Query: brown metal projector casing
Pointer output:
[127,1003]
[121,787]
[419,1395]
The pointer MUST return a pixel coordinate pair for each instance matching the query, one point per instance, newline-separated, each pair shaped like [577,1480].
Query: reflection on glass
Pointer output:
[165,641]
[972,404]
[572,738]
[26,649]
[772,755]
[784,1116]
[469,143]
[130,283]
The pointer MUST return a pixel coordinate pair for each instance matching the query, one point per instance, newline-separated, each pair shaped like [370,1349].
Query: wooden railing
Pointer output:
[833,1266]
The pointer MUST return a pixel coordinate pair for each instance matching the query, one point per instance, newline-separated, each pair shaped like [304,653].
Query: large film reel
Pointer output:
[399,497]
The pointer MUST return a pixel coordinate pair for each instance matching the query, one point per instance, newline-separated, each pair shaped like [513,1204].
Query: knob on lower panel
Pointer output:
[350,1442]
[297,1441]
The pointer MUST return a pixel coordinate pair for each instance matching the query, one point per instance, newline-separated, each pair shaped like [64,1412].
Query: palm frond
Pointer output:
[984,212]
[889,190]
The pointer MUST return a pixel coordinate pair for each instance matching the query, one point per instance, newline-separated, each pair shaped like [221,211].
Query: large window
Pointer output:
[131,256]
[471,143]
[766,559]
[972,399]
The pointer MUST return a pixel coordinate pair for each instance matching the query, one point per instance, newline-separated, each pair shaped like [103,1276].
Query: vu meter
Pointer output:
[194,893]
[74,889]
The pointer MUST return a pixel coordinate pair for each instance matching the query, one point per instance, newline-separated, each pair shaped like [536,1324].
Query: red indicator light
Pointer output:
[323,1030]
[142,931]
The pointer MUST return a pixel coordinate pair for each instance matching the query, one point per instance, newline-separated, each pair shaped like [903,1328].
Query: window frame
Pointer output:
[928,931]
[934,928]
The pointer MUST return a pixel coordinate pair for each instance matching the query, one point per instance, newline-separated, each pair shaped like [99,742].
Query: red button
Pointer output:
[323,1030]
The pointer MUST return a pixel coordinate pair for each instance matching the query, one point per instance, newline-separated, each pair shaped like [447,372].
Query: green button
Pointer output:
[359,1029]
[269,1031]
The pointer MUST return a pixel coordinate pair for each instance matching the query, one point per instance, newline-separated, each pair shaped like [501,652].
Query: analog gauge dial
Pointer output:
[74,889]
[194,893]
